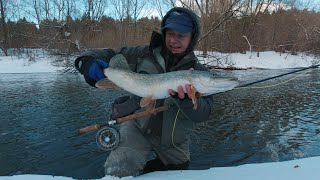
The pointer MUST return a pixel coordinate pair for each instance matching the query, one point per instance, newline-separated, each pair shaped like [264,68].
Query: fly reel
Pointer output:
[108,138]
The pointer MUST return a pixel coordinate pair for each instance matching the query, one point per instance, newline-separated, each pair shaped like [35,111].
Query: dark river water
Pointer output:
[40,114]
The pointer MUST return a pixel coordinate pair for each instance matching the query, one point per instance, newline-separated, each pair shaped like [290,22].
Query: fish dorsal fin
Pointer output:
[119,62]
[106,84]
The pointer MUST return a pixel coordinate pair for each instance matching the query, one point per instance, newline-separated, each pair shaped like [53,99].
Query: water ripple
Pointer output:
[41,114]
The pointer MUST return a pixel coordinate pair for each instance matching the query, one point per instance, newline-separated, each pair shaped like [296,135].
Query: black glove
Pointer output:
[92,69]
[124,106]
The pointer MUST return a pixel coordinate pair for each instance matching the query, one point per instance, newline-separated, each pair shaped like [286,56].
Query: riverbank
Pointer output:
[266,60]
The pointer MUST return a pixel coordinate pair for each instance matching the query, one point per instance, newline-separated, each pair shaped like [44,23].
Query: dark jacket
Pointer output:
[154,59]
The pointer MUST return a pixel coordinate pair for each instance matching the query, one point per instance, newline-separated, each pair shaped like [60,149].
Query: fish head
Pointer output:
[207,84]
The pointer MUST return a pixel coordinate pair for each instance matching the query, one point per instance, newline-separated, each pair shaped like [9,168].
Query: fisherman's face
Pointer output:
[177,42]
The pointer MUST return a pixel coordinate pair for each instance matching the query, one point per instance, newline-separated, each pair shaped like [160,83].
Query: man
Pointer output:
[165,133]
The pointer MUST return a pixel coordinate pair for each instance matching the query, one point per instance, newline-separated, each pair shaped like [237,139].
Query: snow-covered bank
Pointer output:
[266,60]
[12,64]
[294,170]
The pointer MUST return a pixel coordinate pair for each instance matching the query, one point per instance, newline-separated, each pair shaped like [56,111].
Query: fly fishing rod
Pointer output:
[108,136]
[274,77]
[123,119]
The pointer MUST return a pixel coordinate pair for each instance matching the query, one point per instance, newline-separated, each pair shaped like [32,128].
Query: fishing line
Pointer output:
[269,86]
[172,136]
[274,77]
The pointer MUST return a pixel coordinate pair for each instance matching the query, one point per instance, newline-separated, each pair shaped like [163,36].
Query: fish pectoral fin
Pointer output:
[194,96]
[106,84]
[151,106]
[145,101]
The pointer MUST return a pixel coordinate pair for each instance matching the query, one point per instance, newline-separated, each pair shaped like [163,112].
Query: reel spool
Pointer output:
[108,138]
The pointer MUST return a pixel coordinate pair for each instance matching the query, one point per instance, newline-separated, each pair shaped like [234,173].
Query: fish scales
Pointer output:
[157,85]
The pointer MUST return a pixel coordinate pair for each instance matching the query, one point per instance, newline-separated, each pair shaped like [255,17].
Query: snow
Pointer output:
[13,64]
[307,168]
[294,170]
[266,60]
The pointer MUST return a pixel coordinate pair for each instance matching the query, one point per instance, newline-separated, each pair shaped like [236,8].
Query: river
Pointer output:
[41,113]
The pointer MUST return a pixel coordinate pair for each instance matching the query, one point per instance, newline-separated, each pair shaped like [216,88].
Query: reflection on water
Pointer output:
[41,113]
[40,116]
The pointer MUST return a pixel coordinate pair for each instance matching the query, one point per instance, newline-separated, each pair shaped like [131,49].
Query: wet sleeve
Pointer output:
[102,54]
[132,55]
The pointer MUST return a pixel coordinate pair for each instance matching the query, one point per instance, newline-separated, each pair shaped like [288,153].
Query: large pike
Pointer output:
[155,86]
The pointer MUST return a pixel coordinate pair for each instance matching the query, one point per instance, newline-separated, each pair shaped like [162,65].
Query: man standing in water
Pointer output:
[165,133]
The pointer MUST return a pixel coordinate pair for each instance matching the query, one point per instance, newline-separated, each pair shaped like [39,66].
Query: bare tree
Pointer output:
[4,41]
[162,6]
[127,12]
[214,14]
[254,11]
[95,9]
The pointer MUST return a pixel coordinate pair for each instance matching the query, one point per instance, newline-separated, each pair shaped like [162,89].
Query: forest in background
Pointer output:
[61,27]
